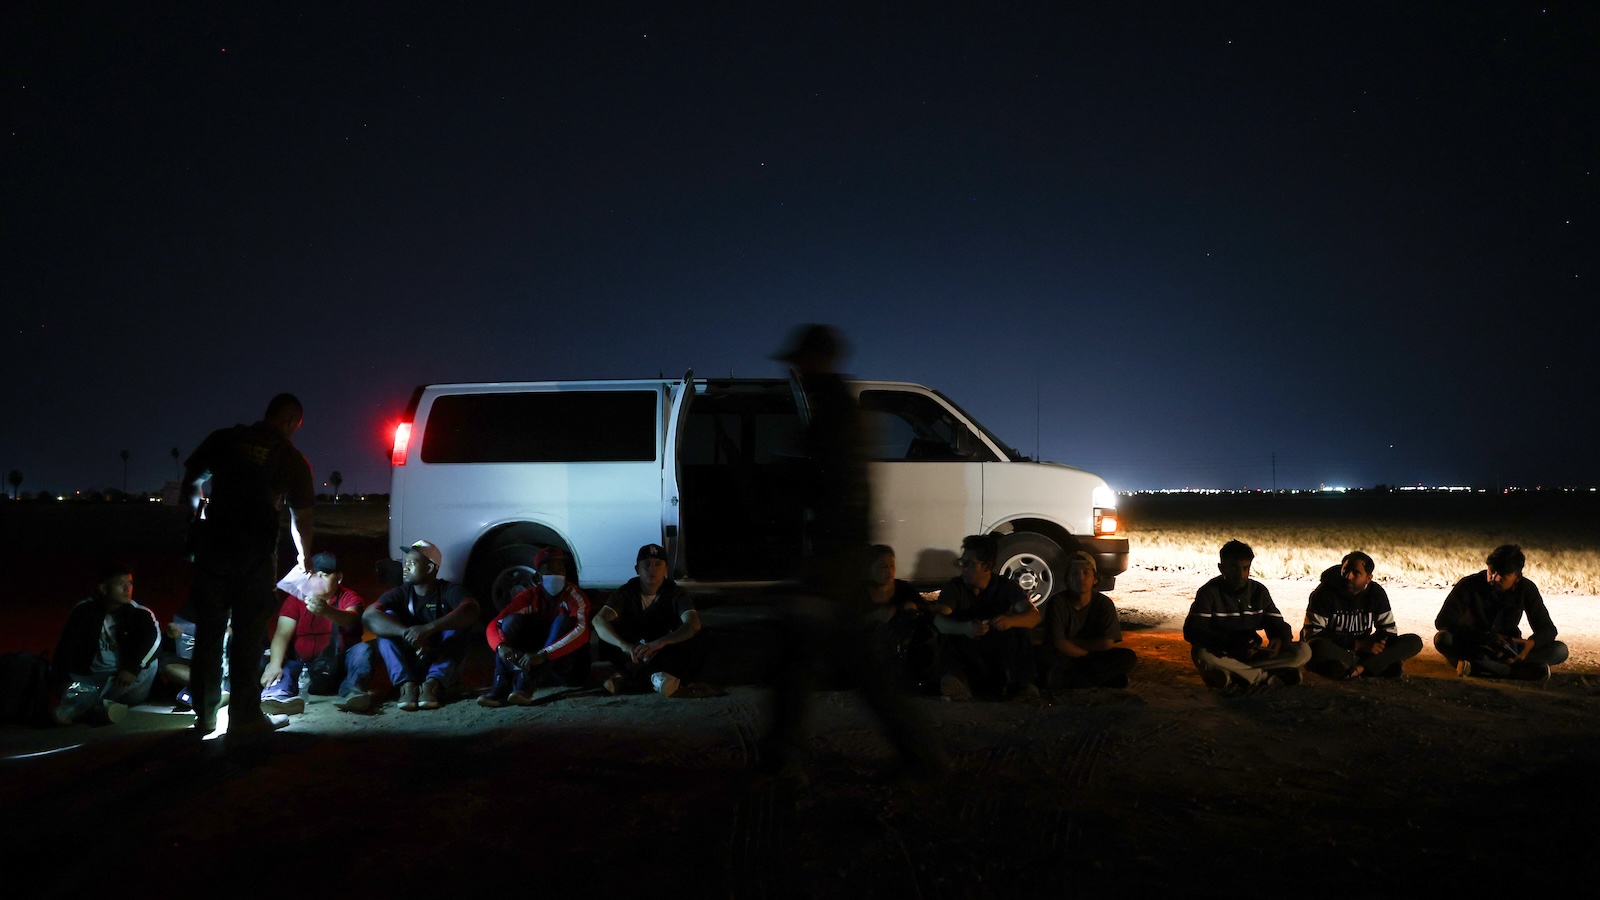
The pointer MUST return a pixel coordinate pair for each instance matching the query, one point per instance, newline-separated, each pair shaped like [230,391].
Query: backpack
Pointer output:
[24,689]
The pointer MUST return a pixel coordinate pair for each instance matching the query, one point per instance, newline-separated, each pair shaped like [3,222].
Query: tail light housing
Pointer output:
[402,441]
[1105,522]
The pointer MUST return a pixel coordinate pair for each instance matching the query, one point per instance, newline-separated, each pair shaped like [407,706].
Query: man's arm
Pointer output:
[301,526]
[381,624]
[1272,622]
[343,618]
[280,648]
[604,630]
[690,627]
[1541,629]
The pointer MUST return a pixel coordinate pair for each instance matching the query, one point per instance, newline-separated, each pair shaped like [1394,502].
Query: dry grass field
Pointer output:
[1417,540]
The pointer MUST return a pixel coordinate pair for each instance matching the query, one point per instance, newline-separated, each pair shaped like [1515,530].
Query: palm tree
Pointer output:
[15,478]
[336,479]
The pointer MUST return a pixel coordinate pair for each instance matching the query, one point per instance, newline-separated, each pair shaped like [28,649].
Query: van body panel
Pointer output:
[721,487]
[604,510]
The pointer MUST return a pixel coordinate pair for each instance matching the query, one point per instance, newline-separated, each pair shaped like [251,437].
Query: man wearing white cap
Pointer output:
[421,630]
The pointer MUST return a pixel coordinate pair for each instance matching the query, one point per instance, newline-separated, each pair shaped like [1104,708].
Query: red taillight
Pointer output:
[402,439]
[1105,522]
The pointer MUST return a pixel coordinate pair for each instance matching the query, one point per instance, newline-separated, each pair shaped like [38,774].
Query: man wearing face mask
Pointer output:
[421,628]
[542,636]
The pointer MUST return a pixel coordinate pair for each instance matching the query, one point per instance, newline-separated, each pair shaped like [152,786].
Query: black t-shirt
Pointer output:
[254,470]
[409,608]
[999,598]
[1097,619]
[634,622]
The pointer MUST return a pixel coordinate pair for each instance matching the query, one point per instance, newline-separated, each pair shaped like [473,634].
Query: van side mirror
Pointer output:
[966,445]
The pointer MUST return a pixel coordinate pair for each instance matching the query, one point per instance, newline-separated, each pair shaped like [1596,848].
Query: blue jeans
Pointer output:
[439,662]
[571,670]
[288,684]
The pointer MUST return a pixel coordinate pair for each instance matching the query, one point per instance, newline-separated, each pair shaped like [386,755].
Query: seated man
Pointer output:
[983,621]
[306,630]
[106,658]
[1350,625]
[422,630]
[1480,623]
[647,630]
[1080,625]
[542,636]
[904,641]
[1223,624]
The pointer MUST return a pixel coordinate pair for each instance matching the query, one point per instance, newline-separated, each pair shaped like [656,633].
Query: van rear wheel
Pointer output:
[1034,562]
[511,572]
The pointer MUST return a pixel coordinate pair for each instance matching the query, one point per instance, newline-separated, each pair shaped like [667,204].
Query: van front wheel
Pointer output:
[512,573]
[1034,562]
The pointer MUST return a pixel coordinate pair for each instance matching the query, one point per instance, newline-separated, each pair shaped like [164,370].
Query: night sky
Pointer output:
[1163,242]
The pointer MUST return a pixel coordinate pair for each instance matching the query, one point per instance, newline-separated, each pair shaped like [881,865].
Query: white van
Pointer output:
[708,468]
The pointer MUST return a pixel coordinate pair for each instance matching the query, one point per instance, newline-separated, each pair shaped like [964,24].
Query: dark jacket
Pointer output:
[1475,609]
[1332,614]
[1225,622]
[138,637]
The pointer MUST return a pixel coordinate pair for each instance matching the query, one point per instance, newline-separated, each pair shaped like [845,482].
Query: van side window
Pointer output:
[542,426]
[909,426]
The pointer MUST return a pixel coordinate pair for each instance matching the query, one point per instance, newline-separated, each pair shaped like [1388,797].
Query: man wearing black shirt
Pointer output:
[1480,623]
[647,629]
[983,619]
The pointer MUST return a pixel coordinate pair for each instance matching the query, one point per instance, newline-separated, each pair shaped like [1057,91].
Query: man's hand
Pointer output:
[1274,645]
[125,679]
[642,652]
[978,628]
[269,675]
[1522,646]
[174,630]
[318,605]
[1371,645]
[417,636]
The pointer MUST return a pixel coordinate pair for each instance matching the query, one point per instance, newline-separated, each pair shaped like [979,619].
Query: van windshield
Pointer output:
[1010,451]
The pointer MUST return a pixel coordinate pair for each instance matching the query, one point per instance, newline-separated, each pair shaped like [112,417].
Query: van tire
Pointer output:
[1035,562]
[510,571]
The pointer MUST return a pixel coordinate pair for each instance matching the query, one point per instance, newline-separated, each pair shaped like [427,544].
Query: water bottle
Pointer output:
[305,683]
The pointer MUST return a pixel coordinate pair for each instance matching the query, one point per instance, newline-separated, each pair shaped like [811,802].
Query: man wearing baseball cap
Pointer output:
[421,627]
[542,636]
[327,621]
[647,629]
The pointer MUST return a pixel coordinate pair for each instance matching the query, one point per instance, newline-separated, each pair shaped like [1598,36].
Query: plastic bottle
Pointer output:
[305,683]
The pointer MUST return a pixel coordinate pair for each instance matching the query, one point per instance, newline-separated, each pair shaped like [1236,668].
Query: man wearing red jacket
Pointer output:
[542,636]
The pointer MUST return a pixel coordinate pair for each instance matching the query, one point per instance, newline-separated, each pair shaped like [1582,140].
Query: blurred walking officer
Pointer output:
[254,471]
[1480,624]
[1350,625]
[1225,623]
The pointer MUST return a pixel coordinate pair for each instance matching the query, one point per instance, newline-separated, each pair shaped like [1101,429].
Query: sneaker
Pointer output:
[665,684]
[1216,679]
[1463,668]
[356,703]
[292,706]
[1539,674]
[1288,676]
[249,728]
[951,687]
[430,695]
[496,697]
[613,685]
[1028,691]
[408,696]
[108,712]
[518,698]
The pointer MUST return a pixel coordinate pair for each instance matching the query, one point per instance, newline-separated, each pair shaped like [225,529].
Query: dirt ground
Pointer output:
[1383,787]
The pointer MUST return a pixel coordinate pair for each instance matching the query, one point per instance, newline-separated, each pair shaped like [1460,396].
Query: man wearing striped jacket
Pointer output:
[1224,629]
[1350,625]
